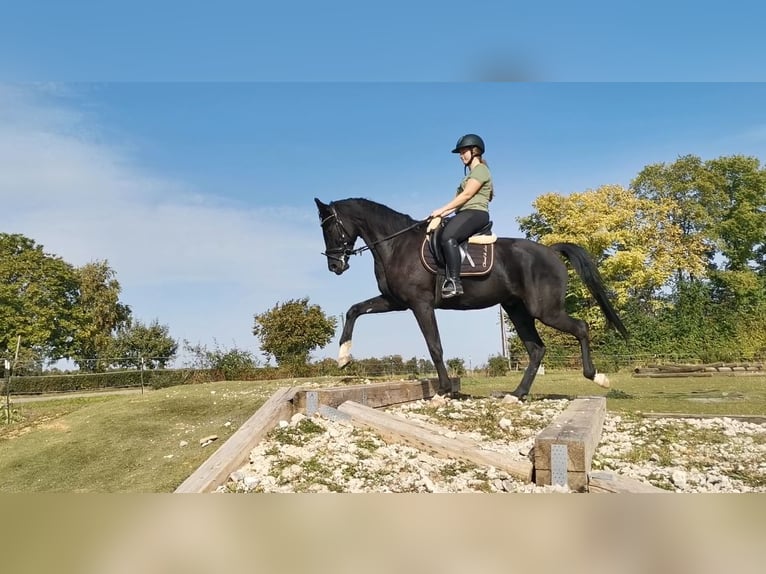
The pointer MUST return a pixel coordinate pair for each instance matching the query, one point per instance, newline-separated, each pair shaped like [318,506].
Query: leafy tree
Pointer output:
[135,340]
[497,366]
[721,202]
[740,223]
[291,330]
[456,366]
[99,314]
[425,366]
[633,240]
[39,294]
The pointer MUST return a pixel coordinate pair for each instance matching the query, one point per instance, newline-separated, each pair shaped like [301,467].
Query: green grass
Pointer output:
[123,443]
[717,395]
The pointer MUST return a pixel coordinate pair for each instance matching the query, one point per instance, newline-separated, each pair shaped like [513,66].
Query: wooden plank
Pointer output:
[578,427]
[603,482]
[233,453]
[676,375]
[397,429]
[374,394]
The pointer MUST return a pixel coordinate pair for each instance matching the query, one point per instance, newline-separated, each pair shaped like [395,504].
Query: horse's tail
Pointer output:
[588,272]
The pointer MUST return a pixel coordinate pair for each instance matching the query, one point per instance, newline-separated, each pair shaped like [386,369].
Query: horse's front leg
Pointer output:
[377,304]
[426,318]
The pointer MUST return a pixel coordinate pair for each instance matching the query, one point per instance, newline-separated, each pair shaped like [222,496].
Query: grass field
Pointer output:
[132,443]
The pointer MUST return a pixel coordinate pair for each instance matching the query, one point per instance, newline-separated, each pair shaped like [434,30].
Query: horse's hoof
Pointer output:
[601,380]
[344,355]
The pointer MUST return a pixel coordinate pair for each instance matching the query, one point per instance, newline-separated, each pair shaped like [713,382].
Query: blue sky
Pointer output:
[184,141]
[413,40]
[200,194]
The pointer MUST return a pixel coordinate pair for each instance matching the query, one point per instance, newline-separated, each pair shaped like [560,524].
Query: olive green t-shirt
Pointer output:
[482,197]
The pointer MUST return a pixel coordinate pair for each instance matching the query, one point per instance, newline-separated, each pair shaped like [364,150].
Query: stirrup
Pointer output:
[451,288]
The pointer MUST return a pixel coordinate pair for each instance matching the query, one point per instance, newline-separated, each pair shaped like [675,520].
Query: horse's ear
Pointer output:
[320,205]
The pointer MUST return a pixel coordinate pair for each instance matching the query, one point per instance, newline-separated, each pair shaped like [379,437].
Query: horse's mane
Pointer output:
[362,210]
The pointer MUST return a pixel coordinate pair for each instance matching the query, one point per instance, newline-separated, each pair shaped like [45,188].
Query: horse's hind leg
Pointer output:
[377,304]
[563,322]
[527,332]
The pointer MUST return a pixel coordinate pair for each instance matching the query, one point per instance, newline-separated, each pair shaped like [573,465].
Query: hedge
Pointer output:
[23,385]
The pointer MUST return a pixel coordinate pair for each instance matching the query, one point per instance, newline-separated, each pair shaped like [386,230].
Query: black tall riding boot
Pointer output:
[452,260]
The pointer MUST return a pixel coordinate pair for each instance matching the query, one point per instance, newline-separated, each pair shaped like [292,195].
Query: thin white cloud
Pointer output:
[200,264]
[82,200]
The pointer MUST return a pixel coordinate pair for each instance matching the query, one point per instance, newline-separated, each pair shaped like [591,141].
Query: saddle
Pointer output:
[477,252]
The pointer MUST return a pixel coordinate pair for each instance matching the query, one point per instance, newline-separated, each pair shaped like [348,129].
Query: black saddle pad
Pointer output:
[477,258]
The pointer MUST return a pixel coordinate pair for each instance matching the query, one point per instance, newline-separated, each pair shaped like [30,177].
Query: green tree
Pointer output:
[99,314]
[739,226]
[497,366]
[456,366]
[39,294]
[289,331]
[135,341]
[634,242]
[720,202]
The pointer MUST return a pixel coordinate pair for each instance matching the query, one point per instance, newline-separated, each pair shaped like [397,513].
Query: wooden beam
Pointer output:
[603,482]
[233,453]
[576,433]
[673,375]
[397,429]
[372,394]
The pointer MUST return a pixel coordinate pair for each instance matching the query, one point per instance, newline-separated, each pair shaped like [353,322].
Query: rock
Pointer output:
[183,443]
[678,477]
[505,423]
[208,439]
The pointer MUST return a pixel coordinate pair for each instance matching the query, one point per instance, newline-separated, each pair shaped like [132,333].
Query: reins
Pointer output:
[346,251]
[363,248]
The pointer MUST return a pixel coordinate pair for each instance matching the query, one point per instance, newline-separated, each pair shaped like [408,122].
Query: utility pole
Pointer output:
[503,340]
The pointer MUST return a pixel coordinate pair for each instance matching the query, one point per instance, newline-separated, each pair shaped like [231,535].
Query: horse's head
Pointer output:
[338,241]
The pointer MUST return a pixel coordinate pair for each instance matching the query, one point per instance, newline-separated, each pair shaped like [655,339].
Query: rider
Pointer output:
[471,208]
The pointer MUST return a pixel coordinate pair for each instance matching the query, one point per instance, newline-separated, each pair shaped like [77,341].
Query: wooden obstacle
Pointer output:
[699,370]
[562,454]
[282,405]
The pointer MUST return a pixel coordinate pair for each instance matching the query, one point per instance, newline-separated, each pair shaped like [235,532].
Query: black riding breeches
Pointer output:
[464,224]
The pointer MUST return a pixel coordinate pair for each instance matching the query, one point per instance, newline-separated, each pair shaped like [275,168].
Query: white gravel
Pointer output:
[321,455]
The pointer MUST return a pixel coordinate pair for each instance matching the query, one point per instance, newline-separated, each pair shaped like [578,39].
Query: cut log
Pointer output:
[573,434]
[670,375]
[397,429]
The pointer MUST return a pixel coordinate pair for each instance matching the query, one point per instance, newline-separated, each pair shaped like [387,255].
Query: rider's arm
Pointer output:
[472,186]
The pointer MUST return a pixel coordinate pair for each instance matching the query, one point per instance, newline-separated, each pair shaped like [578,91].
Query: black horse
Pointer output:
[528,279]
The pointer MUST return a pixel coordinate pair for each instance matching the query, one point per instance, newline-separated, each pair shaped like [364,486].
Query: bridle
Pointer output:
[346,249]
[343,252]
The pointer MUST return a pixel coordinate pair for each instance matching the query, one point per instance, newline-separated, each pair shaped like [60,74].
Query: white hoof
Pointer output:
[344,355]
[601,380]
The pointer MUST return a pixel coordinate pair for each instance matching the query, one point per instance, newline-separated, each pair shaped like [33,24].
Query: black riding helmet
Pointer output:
[469,140]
